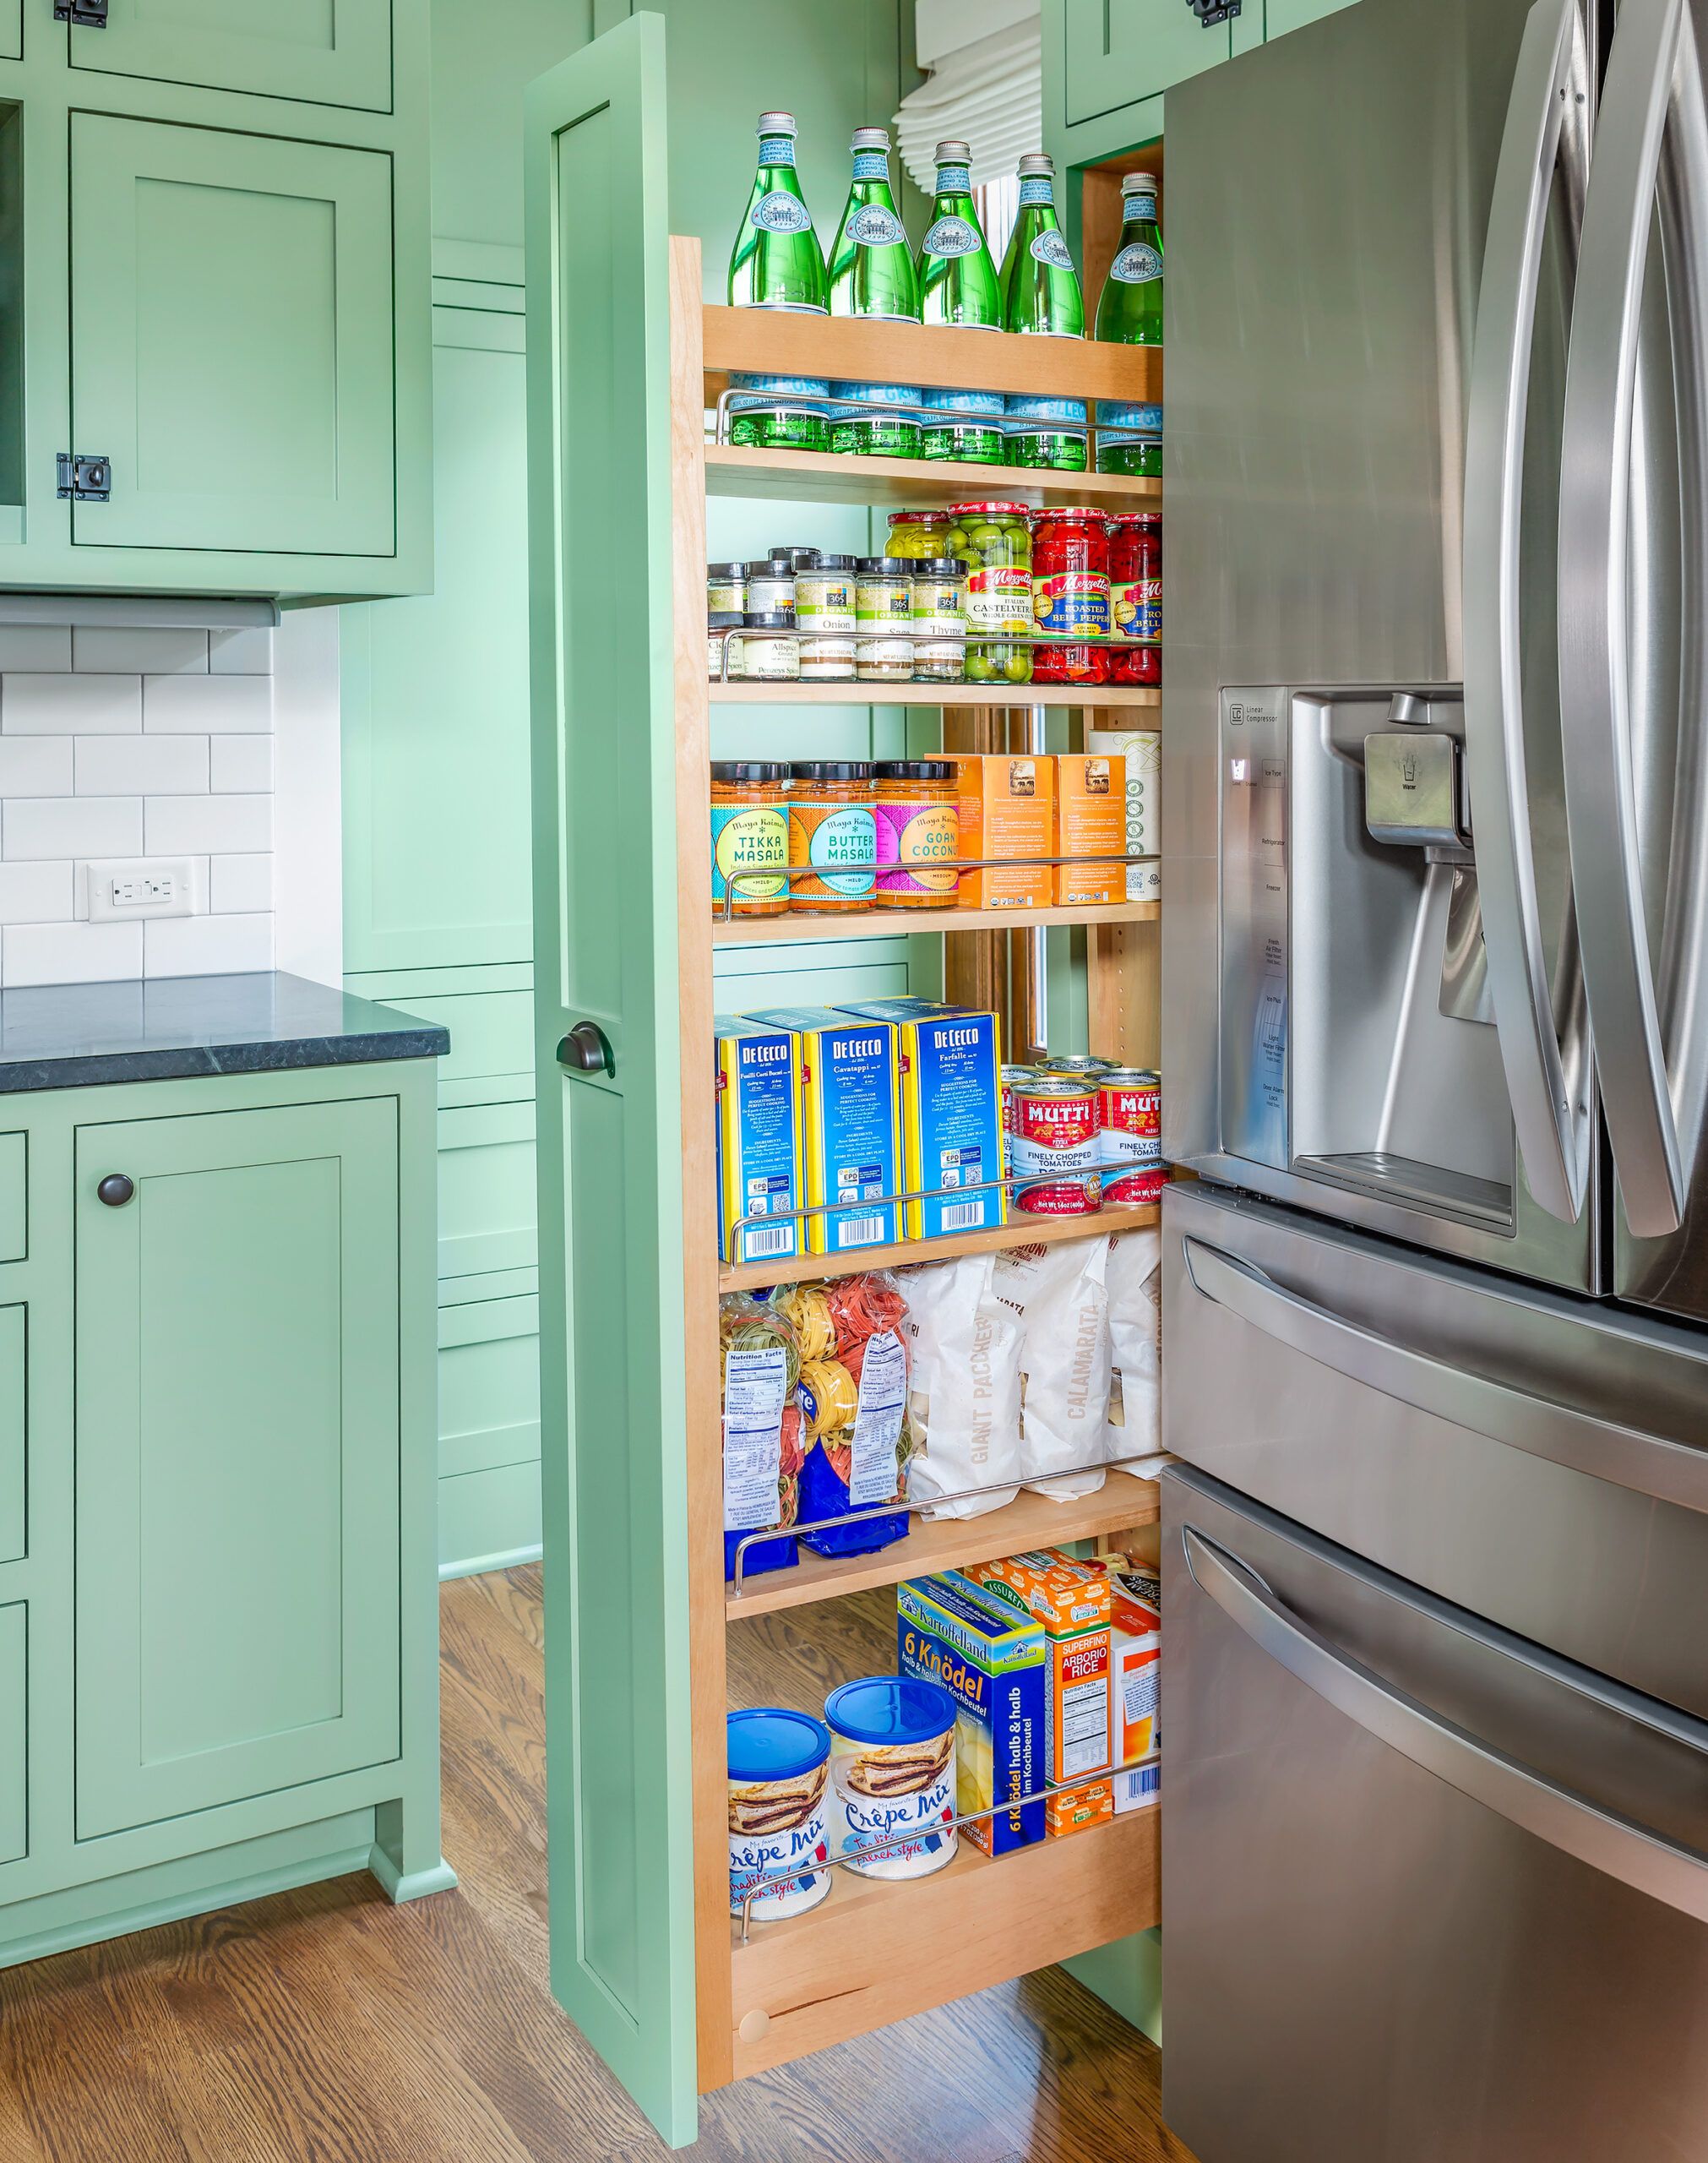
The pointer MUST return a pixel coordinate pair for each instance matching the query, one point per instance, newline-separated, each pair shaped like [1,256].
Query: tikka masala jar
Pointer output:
[1135,597]
[918,834]
[832,822]
[1070,594]
[750,833]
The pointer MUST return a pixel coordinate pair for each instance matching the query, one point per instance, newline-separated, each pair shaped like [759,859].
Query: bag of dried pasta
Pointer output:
[853,1400]
[763,1441]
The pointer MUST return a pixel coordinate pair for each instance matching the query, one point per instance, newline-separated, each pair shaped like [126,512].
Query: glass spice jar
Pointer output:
[1135,597]
[749,834]
[771,585]
[883,620]
[770,647]
[832,821]
[824,595]
[726,589]
[1046,433]
[939,620]
[1070,594]
[918,834]
[994,541]
[722,655]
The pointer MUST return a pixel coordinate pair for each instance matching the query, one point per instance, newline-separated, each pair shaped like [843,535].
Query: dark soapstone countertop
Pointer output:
[77,1036]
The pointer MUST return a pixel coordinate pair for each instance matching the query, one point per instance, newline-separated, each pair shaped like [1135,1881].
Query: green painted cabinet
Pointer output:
[1280,16]
[322,52]
[232,340]
[15,1187]
[15,1429]
[11,30]
[487,1205]
[236,1476]
[14,1831]
[1118,52]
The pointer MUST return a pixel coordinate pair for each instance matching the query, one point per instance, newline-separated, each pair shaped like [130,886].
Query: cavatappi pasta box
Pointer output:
[849,1115]
[948,1060]
[991,1661]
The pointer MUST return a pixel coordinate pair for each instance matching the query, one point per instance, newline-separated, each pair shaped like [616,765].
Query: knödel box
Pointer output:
[850,1125]
[947,1061]
[759,1142]
[991,1661]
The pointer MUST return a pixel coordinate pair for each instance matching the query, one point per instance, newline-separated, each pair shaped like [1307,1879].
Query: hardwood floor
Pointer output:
[326,2026]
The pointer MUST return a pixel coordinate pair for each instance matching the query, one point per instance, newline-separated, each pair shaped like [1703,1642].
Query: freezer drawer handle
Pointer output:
[1651,1464]
[1613,1846]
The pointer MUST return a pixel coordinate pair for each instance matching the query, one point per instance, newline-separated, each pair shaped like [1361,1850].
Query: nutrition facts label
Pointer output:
[756,1383]
[1085,1714]
[873,1474]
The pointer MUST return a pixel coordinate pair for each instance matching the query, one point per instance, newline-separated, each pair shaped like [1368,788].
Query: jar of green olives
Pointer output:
[994,541]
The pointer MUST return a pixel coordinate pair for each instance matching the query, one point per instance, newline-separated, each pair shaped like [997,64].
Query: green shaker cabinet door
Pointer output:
[613,1411]
[1119,51]
[11,30]
[236,1469]
[231,334]
[324,51]
[14,1429]
[14,1756]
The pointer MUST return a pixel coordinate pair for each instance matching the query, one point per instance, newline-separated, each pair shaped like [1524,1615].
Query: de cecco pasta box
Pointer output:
[949,1061]
[850,1124]
[759,1140]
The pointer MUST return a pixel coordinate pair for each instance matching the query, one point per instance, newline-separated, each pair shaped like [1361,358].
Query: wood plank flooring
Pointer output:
[326,2026]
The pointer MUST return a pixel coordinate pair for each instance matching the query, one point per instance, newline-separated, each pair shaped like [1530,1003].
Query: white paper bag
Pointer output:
[1062,1298]
[966,1393]
[1136,1343]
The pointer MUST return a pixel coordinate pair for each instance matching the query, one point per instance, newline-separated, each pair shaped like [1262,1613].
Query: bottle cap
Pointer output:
[777,124]
[823,562]
[830,770]
[886,566]
[726,570]
[734,772]
[1034,161]
[941,567]
[954,153]
[724,619]
[774,619]
[1139,183]
[778,564]
[872,138]
[914,769]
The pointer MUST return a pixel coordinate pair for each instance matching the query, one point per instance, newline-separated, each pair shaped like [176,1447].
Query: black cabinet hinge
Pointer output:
[1210,13]
[85,479]
[86,14]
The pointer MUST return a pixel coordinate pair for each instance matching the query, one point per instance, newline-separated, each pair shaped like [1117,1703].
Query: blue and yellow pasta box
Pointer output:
[851,1124]
[759,1142]
[991,1661]
[949,1062]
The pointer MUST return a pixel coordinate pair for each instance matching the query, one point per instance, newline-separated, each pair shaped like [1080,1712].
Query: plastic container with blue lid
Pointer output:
[892,1795]
[778,1771]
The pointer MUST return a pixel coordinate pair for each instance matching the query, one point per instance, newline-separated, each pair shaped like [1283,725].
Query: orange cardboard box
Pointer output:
[1090,820]
[1063,1592]
[1008,808]
[1075,1601]
[1078,1808]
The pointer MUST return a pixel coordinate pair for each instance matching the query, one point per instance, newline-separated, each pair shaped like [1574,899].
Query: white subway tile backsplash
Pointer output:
[33,828]
[141,652]
[208,826]
[241,763]
[35,765]
[141,766]
[241,653]
[36,893]
[43,649]
[69,953]
[238,884]
[71,706]
[188,705]
[207,946]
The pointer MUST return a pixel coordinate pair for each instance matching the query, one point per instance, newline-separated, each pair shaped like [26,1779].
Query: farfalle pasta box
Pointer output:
[991,1661]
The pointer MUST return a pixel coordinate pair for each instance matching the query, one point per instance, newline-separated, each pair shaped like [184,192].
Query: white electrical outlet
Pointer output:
[125,892]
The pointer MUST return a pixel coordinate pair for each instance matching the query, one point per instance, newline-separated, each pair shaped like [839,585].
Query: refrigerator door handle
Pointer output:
[1546,1080]
[1650,1464]
[1651,141]
[1613,1846]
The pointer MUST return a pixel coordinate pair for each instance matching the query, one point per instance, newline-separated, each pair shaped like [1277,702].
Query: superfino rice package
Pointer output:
[1136,1346]
[966,1394]
[1060,1296]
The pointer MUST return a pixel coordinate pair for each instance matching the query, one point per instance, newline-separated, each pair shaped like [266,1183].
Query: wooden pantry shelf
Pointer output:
[771,342]
[1021,1231]
[744,694]
[877,1950]
[1029,1521]
[819,477]
[794,931]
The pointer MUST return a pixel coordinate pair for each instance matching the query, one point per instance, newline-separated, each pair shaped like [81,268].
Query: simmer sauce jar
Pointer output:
[750,833]
[1070,594]
[831,822]
[918,834]
[1135,597]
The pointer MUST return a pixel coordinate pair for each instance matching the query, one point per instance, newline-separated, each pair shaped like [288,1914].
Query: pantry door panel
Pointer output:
[322,51]
[615,1335]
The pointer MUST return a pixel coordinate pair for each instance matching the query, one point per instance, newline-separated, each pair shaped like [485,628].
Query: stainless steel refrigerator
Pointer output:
[1435,984]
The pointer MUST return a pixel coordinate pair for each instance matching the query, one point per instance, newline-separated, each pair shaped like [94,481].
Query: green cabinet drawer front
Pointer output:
[231,335]
[491,1036]
[1119,51]
[14,1197]
[14,1429]
[326,51]
[14,1840]
[1283,15]
[489,1386]
[236,1465]
[488,1208]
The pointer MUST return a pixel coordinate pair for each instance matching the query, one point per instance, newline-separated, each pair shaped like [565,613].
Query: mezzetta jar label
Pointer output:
[1049,248]
[874,227]
[951,237]
[779,212]
[1137,265]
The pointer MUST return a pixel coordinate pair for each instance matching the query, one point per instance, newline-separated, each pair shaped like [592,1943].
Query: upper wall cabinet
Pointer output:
[232,340]
[322,52]
[1119,51]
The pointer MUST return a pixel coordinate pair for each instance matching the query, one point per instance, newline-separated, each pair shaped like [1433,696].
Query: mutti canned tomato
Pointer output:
[1131,1110]
[1012,1077]
[1082,1065]
[1057,1139]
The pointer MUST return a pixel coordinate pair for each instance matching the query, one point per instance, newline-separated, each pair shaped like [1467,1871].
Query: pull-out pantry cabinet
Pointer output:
[624,359]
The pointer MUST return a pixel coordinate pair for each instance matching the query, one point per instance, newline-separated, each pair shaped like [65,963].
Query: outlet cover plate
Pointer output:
[126,891]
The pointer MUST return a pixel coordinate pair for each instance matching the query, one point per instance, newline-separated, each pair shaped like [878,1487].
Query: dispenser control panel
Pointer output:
[1254,944]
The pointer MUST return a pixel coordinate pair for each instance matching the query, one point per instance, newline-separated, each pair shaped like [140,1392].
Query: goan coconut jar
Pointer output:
[778,1773]
[892,1776]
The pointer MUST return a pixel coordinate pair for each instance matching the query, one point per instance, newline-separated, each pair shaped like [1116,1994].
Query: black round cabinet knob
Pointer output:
[115,1189]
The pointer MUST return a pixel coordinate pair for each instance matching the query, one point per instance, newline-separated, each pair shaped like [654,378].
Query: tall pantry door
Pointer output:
[611,1046]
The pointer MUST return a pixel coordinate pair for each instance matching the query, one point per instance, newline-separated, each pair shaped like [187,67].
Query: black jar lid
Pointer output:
[774,619]
[773,566]
[798,559]
[726,570]
[739,773]
[914,769]
[941,567]
[826,563]
[724,619]
[887,566]
[830,770]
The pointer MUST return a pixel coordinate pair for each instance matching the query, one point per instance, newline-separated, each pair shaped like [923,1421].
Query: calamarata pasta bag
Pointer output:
[1136,1345]
[1060,1294]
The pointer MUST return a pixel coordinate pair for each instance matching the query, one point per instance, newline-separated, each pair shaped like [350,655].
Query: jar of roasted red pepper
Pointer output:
[1071,593]
[1135,597]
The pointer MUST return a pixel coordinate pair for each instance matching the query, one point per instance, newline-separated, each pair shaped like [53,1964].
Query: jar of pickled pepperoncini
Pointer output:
[918,834]
[914,534]
[750,835]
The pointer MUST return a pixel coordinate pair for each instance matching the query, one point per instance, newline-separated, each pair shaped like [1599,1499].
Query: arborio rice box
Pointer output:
[991,1661]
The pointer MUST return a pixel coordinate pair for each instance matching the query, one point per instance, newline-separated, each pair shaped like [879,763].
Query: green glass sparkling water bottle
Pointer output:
[776,261]
[957,279]
[1041,288]
[1130,311]
[872,265]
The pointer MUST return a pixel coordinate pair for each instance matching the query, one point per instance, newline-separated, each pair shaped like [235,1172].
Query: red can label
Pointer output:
[1056,1140]
[1132,1119]
[1133,1186]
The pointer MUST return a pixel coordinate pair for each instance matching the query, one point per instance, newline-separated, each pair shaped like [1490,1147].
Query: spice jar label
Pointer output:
[918,838]
[746,838]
